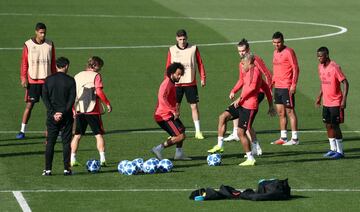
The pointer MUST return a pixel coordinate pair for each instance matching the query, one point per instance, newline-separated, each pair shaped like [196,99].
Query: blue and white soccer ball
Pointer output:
[214,159]
[165,165]
[121,166]
[150,166]
[130,168]
[93,166]
[139,163]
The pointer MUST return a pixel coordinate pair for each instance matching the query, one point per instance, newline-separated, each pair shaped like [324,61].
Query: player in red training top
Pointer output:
[88,109]
[167,114]
[37,63]
[333,100]
[285,77]
[244,48]
[247,104]
[189,56]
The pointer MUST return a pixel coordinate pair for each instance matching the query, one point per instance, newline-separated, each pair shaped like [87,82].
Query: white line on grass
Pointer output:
[158,190]
[190,131]
[341,29]
[21,200]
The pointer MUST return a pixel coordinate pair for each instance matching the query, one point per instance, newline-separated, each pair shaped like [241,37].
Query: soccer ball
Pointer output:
[165,165]
[214,159]
[130,168]
[139,163]
[121,166]
[93,166]
[150,166]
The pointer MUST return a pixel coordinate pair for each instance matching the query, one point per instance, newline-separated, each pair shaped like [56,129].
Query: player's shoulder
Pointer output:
[334,64]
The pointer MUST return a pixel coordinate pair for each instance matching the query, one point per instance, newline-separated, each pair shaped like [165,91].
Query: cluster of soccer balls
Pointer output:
[214,159]
[150,166]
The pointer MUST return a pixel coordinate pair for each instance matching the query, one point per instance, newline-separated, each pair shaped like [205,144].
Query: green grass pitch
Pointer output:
[132,36]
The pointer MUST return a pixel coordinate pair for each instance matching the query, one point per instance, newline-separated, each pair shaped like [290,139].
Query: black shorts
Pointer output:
[333,115]
[83,120]
[191,94]
[33,93]
[172,126]
[281,96]
[234,112]
[260,97]
[246,118]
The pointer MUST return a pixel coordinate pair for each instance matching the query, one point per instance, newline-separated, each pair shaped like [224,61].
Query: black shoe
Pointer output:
[46,173]
[67,172]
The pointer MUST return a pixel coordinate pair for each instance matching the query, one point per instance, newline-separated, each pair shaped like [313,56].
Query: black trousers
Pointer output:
[53,128]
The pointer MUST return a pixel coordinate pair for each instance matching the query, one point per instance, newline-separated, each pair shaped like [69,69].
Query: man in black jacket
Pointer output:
[59,92]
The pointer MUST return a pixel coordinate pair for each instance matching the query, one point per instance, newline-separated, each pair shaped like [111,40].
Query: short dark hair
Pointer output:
[278,35]
[244,42]
[61,62]
[95,60]
[40,26]
[181,32]
[173,67]
[323,49]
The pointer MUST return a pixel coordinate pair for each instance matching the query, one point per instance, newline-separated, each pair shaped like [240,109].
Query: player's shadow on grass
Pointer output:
[133,130]
[19,154]
[23,140]
[22,143]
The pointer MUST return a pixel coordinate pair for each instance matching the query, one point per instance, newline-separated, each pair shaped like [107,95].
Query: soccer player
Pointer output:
[250,82]
[88,108]
[285,77]
[333,99]
[167,114]
[251,87]
[59,94]
[37,63]
[189,56]
[244,48]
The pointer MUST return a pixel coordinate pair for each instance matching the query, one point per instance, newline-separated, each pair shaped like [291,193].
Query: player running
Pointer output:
[333,99]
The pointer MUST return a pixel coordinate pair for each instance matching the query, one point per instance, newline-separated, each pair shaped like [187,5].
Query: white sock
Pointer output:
[23,128]
[339,146]
[197,125]
[250,156]
[102,156]
[73,157]
[294,135]
[178,151]
[235,131]
[160,147]
[220,141]
[283,134]
[332,144]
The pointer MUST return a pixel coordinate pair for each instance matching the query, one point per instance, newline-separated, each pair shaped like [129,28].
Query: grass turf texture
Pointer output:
[131,78]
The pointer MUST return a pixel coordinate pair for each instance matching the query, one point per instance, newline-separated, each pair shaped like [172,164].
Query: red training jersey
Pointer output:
[331,76]
[166,104]
[250,82]
[285,68]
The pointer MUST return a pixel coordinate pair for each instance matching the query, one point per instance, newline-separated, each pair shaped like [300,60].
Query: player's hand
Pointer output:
[109,108]
[292,90]
[271,111]
[57,116]
[231,96]
[318,102]
[203,83]
[343,104]
[24,83]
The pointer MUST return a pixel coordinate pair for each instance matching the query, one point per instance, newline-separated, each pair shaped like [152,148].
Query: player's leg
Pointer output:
[280,102]
[66,135]
[337,117]
[294,127]
[96,126]
[246,118]
[233,136]
[53,132]
[80,129]
[192,98]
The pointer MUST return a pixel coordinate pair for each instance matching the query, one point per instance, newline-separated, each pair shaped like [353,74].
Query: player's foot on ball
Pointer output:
[103,163]
[74,163]
[248,162]
[337,156]
[20,135]
[157,152]
[46,173]
[67,172]
[232,137]
[329,153]
[292,142]
[216,149]
[280,141]
[181,157]
[199,135]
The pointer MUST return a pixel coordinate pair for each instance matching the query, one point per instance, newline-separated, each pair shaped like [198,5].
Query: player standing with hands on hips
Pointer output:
[333,99]
[189,56]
